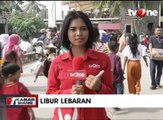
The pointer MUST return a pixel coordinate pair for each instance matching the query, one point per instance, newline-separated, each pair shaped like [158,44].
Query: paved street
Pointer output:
[125,114]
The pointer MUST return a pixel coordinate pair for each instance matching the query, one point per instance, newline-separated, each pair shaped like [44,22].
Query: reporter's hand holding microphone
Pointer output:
[77,89]
[79,74]
[92,82]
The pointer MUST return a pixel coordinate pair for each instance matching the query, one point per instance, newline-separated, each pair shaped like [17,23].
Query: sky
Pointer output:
[46,3]
[55,11]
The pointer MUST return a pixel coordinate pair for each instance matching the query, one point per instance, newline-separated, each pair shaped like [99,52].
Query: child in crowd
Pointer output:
[11,73]
[11,57]
[116,67]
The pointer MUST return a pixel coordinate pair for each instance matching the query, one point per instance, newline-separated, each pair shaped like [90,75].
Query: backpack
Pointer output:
[46,67]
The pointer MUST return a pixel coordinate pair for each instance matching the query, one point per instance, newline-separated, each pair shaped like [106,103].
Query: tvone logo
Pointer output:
[142,12]
[77,74]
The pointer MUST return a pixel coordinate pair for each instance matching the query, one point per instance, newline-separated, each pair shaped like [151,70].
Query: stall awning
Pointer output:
[109,26]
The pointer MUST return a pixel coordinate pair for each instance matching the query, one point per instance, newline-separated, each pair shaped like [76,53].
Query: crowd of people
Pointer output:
[102,62]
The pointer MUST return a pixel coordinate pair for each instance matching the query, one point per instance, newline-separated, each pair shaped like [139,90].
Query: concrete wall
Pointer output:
[141,22]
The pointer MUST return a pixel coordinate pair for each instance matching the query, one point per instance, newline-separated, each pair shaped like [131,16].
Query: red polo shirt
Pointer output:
[60,83]
[16,89]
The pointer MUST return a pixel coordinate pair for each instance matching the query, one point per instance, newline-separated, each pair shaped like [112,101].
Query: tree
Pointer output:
[10,6]
[112,6]
[33,7]
[26,26]
[115,6]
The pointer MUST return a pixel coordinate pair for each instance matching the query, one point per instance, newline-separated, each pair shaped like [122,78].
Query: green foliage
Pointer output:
[10,6]
[27,26]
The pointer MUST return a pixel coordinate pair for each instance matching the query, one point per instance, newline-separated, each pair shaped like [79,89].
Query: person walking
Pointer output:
[141,38]
[13,45]
[118,74]
[156,41]
[123,42]
[133,53]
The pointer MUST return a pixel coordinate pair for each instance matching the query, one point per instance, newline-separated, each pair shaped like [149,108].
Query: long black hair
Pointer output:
[11,56]
[133,44]
[113,44]
[66,23]
[9,68]
[96,33]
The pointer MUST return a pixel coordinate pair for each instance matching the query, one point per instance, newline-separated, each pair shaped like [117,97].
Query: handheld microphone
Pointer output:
[78,71]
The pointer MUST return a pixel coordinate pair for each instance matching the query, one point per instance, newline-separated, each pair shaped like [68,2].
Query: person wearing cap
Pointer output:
[53,32]
[43,36]
[43,64]
[50,52]
[51,35]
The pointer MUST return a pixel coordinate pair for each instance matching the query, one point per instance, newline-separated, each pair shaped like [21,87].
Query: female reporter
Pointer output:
[77,36]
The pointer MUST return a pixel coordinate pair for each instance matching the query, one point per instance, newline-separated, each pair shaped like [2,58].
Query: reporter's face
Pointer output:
[78,33]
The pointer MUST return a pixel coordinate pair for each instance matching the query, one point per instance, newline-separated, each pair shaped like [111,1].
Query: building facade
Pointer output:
[128,23]
[143,24]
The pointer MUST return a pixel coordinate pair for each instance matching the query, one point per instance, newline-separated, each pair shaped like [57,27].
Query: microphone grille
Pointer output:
[78,63]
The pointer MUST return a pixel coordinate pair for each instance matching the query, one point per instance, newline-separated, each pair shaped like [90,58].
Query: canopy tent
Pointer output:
[109,26]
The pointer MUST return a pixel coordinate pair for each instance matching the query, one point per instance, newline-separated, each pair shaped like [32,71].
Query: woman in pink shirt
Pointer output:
[13,45]
[77,36]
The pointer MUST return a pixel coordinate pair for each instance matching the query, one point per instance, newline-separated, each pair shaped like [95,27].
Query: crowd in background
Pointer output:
[53,46]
